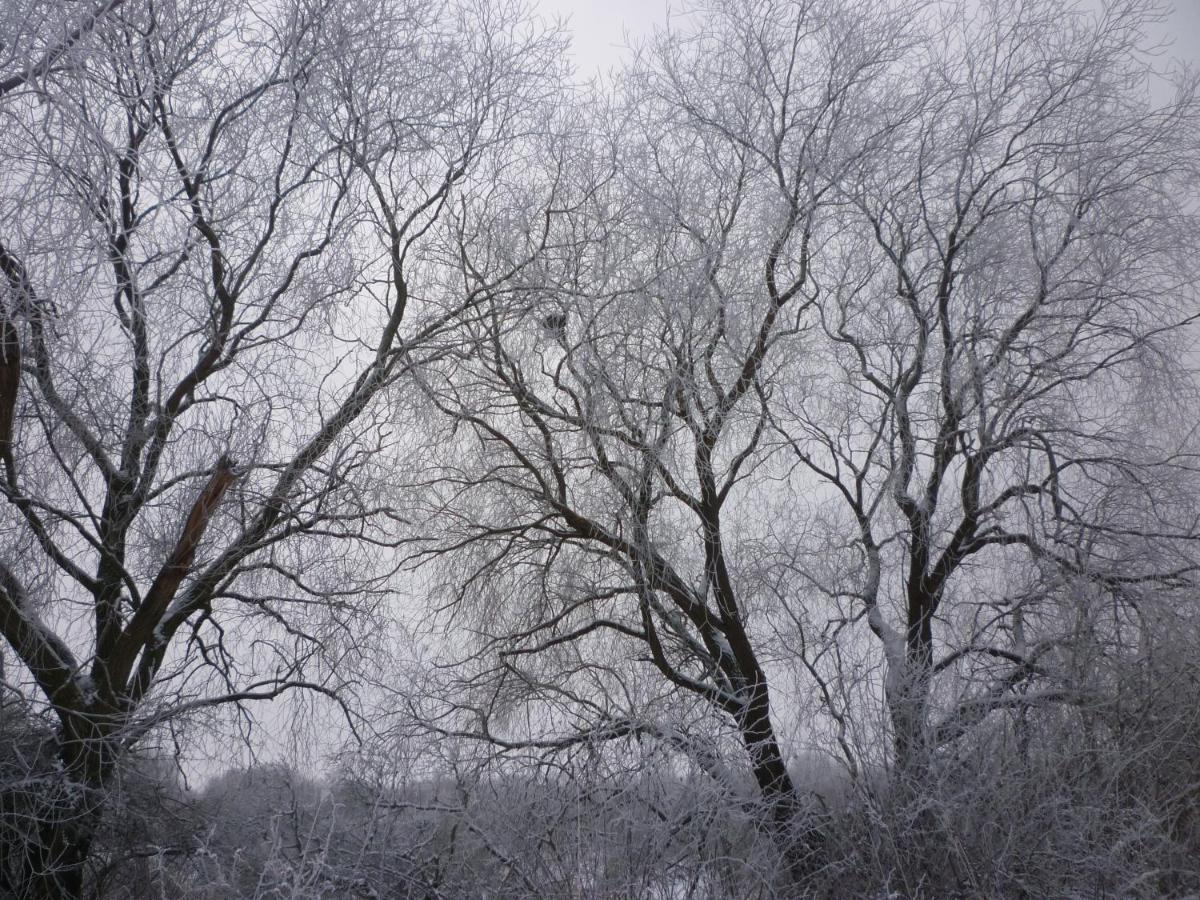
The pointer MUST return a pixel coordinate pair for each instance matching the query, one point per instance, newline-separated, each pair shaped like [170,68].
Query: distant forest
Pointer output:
[768,470]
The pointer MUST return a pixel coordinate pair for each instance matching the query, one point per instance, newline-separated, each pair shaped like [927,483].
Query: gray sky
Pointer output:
[1185,28]
[600,27]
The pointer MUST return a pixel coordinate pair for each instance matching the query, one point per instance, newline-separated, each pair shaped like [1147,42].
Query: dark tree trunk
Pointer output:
[61,858]
[798,839]
[925,846]
[908,700]
[55,866]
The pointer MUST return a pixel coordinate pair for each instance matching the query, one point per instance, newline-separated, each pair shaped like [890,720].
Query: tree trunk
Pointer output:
[799,841]
[908,695]
[908,703]
[61,858]
[55,865]
[925,845]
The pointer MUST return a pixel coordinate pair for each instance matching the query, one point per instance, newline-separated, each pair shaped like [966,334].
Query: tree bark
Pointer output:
[799,841]
[56,864]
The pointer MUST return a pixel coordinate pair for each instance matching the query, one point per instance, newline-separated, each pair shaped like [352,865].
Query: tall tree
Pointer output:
[618,410]
[881,276]
[219,251]
[1015,264]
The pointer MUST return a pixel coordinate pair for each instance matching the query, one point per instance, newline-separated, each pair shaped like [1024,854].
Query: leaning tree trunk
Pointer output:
[798,840]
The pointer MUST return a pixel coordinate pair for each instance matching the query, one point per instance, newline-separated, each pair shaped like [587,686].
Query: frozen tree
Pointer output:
[823,382]
[608,445]
[220,250]
[892,278]
[1013,279]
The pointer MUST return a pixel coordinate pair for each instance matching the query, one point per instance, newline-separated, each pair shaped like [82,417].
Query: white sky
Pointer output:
[600,28]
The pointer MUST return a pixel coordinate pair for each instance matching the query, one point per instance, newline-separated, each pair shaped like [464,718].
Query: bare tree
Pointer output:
[607,445]
[219,251]
[814,387]
[886,284]
[1014,271]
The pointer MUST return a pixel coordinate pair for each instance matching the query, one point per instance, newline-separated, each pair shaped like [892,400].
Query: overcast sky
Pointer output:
[600,27]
